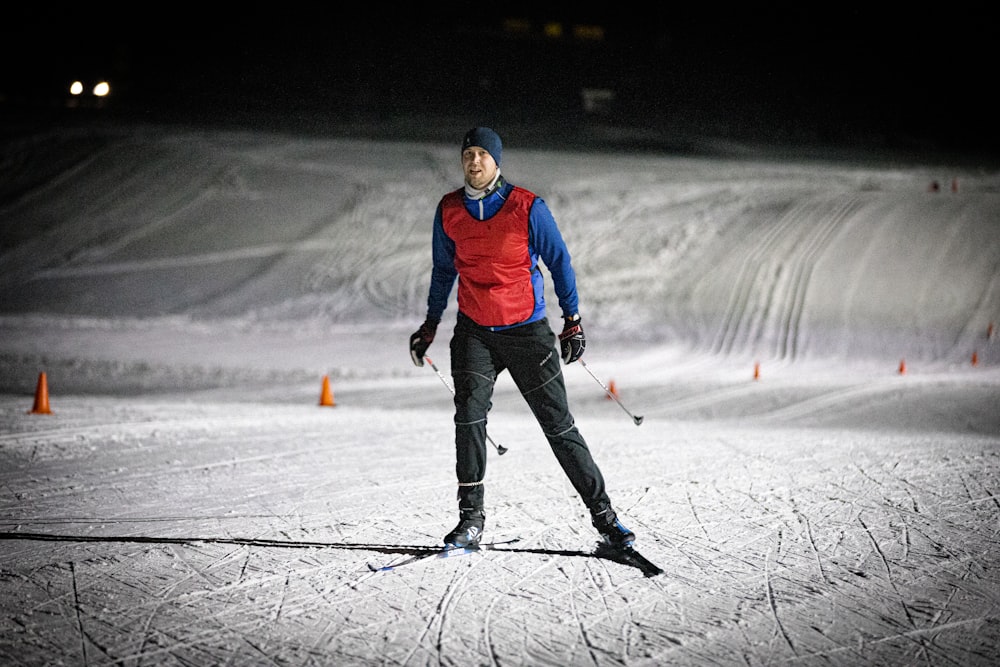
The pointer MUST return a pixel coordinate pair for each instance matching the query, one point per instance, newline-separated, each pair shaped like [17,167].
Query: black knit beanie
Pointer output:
[486,138]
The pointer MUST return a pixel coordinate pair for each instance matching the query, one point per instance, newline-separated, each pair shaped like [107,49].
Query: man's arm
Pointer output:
[443,273]
[552,250]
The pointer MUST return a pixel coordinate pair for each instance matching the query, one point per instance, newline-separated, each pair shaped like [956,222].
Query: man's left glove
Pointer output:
[572,340]
[421,340]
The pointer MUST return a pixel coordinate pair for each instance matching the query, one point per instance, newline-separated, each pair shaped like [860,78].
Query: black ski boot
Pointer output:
[469,530]
[611,529]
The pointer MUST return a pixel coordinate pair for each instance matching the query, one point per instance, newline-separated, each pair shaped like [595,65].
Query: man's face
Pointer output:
[478,166]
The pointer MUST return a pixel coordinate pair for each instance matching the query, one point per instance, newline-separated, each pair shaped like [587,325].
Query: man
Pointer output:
[489,236]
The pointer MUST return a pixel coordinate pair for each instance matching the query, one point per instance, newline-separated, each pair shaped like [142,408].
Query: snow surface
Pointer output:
[189,502]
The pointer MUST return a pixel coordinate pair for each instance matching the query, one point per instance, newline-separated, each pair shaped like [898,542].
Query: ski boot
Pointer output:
[614,533]
[469,530]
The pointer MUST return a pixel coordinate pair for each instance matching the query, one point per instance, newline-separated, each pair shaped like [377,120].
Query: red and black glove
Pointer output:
[572,341]
[421,340]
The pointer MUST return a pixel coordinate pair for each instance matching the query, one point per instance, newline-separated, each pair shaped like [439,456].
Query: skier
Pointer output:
[490,235]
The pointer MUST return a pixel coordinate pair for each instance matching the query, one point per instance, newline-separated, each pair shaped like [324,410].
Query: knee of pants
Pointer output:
[555,423]
[567,438]
[473,398]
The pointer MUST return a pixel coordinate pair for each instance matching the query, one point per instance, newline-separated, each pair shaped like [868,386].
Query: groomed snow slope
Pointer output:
[188,502]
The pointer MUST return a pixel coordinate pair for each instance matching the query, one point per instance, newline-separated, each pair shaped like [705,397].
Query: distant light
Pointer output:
[589,33]
[519,26]
[102,89]
[76,88]
[553,30]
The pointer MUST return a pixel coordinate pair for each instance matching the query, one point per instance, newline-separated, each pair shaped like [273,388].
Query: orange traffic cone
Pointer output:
[41,406]
[902,366]
[756,371]
[326,396]
[975,358]
[612,389]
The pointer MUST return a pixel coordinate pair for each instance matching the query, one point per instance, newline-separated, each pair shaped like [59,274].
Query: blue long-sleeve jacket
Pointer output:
[545,242]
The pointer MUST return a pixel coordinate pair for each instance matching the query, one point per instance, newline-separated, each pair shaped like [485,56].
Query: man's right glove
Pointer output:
[421,340]
[572,341]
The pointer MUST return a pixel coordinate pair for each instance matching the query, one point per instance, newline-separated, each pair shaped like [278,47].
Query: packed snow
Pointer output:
[809,340]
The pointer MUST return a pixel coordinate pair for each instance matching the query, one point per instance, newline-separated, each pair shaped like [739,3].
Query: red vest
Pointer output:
[492,259]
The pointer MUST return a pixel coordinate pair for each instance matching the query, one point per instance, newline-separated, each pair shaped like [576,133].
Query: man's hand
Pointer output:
[572,340]
[421,340]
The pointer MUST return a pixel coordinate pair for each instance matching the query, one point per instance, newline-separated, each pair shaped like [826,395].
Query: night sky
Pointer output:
[840,75]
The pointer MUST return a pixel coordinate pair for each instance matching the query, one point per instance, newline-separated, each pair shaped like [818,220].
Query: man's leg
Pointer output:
[534,364]
[531,356]
[474,376]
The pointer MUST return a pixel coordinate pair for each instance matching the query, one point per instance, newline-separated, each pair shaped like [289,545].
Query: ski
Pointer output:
[627,555]
[440,552]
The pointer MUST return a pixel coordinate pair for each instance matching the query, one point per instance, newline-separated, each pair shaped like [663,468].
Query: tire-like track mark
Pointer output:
[773,605]
[888,571]
[769,295]
[920,634]
[436,623]
[79,615]
[749,275]
[801,269]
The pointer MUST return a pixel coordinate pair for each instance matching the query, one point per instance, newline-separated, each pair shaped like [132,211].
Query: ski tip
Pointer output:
[651,570]
[628,555]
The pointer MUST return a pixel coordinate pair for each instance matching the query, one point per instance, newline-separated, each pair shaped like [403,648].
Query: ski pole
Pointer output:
[501,450]
[637,420]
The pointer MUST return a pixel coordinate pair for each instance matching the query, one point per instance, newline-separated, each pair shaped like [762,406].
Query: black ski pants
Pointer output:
[530,353]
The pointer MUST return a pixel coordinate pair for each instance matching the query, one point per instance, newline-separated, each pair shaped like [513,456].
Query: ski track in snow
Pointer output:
[883,551]
[189,503]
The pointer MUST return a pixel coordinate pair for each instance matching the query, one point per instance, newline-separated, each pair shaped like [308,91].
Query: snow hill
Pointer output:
[188,502]
[315,253]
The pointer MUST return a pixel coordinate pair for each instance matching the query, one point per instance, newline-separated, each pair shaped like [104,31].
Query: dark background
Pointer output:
[912,79]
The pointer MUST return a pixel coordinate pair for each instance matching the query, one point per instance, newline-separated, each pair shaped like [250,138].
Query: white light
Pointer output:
[102,89]
[75,88]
